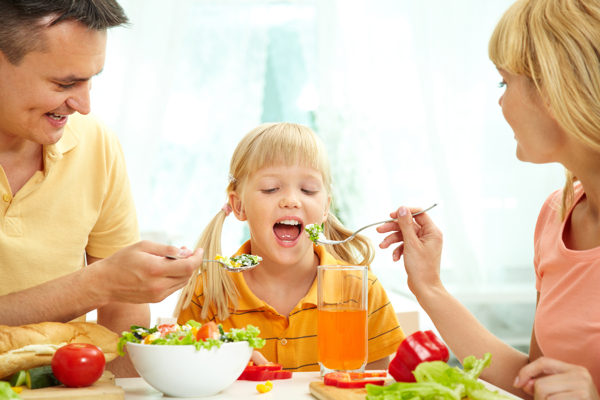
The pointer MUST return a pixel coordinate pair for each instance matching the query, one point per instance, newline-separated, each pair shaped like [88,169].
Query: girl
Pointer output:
[547,52]
[280,182]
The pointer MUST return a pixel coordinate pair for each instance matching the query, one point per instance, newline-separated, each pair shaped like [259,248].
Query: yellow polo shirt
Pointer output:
[293,343]
[81,202]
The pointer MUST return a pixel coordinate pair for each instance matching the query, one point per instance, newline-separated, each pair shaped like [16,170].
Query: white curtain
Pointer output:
[402,92]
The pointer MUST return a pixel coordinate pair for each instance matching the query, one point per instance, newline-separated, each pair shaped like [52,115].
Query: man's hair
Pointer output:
[22,21]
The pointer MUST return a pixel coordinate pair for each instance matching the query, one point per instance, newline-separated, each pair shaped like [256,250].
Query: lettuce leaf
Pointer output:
[434,375]
[473,367]
[6,391]
[407,391]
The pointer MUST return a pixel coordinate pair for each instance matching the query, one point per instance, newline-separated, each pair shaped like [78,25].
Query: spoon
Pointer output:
[225,266]
[327,241]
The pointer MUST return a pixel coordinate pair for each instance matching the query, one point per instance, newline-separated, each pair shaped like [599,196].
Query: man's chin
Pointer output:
[51,138]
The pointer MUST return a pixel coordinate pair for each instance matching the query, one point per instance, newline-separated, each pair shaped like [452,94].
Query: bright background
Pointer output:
[402,93]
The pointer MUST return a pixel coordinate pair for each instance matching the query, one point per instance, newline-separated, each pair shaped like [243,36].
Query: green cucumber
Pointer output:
[18,379]
[41,377]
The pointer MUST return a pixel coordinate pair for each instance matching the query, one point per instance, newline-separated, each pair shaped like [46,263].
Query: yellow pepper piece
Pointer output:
[18,389]
[264,388]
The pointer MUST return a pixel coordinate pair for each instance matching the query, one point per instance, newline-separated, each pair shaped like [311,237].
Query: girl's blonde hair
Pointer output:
[556,44]
[269,145]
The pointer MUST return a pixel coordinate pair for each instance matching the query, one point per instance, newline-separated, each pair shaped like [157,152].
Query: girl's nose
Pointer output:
[289,200]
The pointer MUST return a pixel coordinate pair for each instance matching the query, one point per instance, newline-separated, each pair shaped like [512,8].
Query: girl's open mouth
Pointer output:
[288,230]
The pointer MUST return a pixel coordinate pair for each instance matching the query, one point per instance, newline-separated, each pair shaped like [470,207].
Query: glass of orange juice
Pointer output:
[342,318]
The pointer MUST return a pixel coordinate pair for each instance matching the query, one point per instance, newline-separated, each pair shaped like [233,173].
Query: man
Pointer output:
[64,190]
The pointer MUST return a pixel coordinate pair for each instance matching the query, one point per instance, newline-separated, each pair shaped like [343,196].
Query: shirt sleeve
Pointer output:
[385,333]
[117,225]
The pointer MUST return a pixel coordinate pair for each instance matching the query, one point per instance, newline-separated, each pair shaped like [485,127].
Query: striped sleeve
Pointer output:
[385,333]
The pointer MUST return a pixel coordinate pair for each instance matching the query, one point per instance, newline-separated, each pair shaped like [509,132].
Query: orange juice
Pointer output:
[341,338]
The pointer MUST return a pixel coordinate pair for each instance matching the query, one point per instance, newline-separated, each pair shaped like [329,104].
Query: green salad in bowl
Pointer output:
[193,333]
[190,360]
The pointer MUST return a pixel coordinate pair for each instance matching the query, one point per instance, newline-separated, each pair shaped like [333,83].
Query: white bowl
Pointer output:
[183,371]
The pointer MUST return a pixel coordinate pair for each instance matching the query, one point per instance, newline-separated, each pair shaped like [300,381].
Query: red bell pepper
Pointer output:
[415,349]
[267,372]
[440,345]
[353,380]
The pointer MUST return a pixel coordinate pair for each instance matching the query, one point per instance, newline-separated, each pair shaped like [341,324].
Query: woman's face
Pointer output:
[278,202]
[538,135]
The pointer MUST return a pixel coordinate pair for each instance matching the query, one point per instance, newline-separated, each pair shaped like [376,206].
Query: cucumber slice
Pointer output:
[41,377]
[18,379]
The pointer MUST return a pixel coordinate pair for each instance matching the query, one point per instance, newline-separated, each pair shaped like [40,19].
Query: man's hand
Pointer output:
[547,378]
[140,273]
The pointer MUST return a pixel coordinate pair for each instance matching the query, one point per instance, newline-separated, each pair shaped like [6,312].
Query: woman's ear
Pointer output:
[326,213]
[236,205]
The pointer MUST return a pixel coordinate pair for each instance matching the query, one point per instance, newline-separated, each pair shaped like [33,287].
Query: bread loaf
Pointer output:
[30,346]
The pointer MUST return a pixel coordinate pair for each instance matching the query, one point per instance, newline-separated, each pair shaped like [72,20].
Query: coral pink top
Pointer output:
[567,320]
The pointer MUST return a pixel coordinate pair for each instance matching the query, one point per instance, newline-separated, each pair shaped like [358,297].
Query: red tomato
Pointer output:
[78,364]
[166,328]
[208,331]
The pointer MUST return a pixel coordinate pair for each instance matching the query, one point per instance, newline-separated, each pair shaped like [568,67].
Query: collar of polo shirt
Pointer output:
[249,301]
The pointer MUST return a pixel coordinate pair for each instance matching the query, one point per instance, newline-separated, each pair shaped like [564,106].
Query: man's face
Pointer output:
[38,95]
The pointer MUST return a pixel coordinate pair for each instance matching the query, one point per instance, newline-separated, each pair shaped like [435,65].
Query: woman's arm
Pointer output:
[421,248]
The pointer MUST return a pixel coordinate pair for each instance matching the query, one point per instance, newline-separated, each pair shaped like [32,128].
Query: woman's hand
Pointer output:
[258,359]
[421,246]
[547,378]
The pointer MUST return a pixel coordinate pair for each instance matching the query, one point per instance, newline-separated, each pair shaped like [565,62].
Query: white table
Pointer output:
[288,389]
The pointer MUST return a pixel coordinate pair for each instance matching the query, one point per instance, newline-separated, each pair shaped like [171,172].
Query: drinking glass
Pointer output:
[342,318]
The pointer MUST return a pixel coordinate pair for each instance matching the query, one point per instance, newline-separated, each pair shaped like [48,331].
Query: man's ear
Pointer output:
[236,205]
[326,213]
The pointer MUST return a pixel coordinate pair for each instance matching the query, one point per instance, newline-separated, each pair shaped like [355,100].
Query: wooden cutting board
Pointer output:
[322,392]
[104,389]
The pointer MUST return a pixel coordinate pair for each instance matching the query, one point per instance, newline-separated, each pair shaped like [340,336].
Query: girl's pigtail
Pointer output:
[219,289]
[358,251]
[568,194]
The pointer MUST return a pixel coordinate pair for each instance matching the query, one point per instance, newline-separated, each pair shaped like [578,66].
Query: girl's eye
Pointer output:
[268,190]
[310,192]
[66,87]
[502,84]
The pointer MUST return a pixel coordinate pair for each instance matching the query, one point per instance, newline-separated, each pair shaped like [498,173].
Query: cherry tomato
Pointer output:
[208,331]
[78,364]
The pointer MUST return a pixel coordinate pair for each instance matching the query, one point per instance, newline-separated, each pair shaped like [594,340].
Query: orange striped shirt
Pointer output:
[293,342]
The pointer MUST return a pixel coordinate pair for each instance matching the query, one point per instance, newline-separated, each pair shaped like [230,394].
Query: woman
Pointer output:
[548,54]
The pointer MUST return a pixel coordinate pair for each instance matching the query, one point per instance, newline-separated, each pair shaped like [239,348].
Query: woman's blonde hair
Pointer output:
[265,146]
[556,44]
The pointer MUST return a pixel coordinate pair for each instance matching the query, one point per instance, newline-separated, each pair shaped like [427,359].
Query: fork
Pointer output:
[225,266]
[326,241]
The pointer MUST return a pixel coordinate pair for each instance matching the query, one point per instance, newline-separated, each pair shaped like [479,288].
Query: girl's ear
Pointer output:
[236,205]
[326,213]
